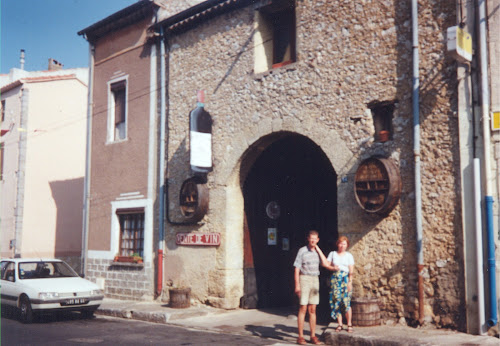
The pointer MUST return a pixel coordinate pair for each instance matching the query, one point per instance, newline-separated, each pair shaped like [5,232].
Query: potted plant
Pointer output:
[137,258]
[180,296]
[134,258]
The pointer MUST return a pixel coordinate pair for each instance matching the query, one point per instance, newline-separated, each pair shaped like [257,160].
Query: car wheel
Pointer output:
[26,313]
[87,313]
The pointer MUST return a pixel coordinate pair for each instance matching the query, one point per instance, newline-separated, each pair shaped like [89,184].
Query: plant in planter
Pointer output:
[180,296]
[137,258]
[134,258]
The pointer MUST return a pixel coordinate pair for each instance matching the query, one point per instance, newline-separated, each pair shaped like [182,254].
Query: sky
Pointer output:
[48,29]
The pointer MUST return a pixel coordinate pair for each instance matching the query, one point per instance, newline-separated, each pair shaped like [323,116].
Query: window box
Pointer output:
[128,259]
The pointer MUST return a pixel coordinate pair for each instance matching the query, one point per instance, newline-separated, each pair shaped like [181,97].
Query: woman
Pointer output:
[341,262]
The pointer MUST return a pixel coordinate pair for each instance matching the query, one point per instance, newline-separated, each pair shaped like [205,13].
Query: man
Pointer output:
[307,285]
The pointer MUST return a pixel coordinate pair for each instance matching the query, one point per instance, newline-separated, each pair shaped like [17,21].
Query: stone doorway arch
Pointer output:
[290,188]
[241,154]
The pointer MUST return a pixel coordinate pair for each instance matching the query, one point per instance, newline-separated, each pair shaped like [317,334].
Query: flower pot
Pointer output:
[365,312]
[180,297]
[383,136]
[127,259]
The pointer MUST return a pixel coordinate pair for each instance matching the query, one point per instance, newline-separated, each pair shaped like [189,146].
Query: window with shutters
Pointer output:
[117,110]
[275,34]
[131,231]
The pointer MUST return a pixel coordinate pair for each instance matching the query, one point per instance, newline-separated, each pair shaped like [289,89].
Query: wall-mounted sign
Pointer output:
[285,244]
[377,185]
[193,200]
[272,236]
[495,120]
[207,239]
[459,43]
[200,137]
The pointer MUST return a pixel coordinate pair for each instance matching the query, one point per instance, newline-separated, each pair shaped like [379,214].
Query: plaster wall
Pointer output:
[119,167]
[54,169]
[123,172]
[8,184]
[349,54]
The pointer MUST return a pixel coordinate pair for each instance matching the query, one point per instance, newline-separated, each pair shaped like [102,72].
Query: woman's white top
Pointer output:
[343,261]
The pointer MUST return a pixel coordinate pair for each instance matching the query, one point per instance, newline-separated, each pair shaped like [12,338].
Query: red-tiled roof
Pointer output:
[37,79]
[199,13]
[118,20]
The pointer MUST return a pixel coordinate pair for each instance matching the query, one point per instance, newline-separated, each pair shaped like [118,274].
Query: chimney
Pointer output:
[21,59]
[54,65]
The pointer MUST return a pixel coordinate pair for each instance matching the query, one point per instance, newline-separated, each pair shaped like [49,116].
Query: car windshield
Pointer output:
[45,270]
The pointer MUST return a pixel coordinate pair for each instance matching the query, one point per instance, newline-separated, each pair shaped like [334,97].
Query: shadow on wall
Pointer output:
[437,80]
[178,172]
[68,196]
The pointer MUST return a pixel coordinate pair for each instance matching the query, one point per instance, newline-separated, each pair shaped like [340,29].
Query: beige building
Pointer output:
[316,124]
[43,163]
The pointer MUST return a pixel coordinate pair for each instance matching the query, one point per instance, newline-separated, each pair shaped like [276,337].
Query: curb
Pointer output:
[164,317]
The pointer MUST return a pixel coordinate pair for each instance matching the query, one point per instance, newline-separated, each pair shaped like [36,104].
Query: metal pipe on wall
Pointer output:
[479,245]
[86,181]
[416,153]
[161,175]
[485,113]
[21,173]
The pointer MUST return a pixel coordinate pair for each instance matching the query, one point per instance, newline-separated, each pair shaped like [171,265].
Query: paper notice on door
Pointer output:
[285,244]
[271,236]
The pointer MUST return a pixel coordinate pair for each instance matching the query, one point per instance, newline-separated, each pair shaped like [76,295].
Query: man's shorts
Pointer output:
[309,290]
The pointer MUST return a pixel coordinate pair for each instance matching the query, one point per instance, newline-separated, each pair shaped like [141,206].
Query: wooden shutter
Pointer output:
[118,90]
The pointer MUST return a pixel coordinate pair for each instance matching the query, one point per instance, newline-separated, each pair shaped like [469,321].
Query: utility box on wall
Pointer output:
[495,121]
[459,43]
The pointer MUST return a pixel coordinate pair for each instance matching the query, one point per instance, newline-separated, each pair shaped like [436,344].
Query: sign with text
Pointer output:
[207,239]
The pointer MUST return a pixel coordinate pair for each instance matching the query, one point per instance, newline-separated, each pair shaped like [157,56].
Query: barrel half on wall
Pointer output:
[377,185]
[365,312]
[193,200]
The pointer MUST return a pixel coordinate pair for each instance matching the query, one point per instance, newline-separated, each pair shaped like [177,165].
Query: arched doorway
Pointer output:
[290,189]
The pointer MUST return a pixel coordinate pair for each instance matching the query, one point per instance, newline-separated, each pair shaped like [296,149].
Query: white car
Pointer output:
[45,285]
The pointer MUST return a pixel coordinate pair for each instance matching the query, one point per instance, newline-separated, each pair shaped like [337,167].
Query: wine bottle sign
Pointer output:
[200,140]
[201,153]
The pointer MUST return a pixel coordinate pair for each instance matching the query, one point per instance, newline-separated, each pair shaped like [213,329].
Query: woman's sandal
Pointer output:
[350,329]
[301,341]
[339,328]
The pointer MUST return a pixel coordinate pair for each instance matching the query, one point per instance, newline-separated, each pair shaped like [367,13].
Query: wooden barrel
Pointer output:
[377,185]
[365,312]
[180,297]
[193,199]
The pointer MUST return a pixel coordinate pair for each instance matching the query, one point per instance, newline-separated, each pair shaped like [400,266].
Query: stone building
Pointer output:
[306,97]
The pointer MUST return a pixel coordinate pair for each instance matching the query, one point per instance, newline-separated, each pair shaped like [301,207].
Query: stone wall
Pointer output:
[121,281]
[348,55]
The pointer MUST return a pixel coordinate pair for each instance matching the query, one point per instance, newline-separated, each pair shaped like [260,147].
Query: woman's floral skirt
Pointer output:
[340,298]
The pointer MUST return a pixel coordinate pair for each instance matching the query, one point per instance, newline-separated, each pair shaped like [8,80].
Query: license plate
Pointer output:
[76,301]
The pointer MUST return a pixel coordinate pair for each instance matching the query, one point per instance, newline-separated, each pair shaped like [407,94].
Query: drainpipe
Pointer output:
[21,173]
[479,246]
[86,183]
[485,114]
[416,153]
[159,286]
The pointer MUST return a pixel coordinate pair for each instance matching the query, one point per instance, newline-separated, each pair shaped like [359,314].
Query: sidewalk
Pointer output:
[281,325]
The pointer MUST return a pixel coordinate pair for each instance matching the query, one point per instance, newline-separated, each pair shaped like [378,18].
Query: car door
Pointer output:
[8,283]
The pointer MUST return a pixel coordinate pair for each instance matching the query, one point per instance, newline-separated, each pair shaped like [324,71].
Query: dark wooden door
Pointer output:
[294,175]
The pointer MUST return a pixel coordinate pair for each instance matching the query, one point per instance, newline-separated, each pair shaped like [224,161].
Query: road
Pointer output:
[72,329]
